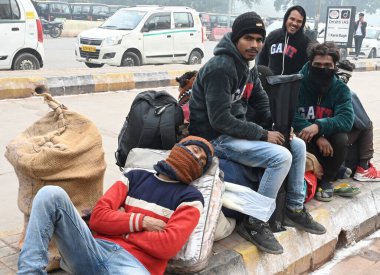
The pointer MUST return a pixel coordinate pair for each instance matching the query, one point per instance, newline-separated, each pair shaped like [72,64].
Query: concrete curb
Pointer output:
[347,220]
[21,87]
[114,79]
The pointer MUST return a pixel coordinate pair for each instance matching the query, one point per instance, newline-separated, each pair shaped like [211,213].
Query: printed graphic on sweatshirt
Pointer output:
[244,92]
[290,51]
[312,113]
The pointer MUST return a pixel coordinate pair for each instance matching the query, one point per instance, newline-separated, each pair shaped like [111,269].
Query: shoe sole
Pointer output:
[245,235]
[366,179]
[289,222]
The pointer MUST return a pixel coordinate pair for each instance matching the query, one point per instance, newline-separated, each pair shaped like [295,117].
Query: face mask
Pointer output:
[320,78]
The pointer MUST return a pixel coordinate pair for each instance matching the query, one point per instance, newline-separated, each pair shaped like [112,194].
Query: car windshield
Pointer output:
[124,20]
[372,34]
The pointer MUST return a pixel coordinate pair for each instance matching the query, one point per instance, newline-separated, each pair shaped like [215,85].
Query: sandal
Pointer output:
[346,190]
[324,194]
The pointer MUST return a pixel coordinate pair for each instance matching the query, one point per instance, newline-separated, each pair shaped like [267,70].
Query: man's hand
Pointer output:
[153,224]
[325,147]
[309,132]
[291,135]
[275,137]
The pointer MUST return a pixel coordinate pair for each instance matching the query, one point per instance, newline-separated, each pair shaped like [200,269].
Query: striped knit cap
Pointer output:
[182,164]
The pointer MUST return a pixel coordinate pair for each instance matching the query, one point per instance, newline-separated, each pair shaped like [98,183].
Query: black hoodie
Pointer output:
[223,88]
[272,54]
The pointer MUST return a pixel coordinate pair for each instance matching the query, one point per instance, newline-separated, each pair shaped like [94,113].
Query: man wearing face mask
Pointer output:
[284,50]
[325,114]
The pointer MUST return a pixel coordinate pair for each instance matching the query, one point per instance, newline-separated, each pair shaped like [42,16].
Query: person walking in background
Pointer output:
[324,114]
[218,105]
[360,139]
[285,49]
[360,33]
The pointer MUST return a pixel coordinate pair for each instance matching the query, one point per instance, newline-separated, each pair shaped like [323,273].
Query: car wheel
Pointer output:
[195,58]
[372,53]
[130,59]
[92,65]
[26,61]
[55,32]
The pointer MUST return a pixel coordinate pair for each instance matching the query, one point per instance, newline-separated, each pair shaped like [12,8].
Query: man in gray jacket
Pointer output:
[224,87]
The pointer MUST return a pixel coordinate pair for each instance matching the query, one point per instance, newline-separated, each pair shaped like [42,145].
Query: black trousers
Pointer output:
[358,43]
[331,165]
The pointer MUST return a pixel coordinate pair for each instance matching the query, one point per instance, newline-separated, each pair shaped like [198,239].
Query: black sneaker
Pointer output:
[259,233]
[304,221]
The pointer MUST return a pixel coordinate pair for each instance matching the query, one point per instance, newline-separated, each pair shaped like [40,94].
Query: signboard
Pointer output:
[340,22]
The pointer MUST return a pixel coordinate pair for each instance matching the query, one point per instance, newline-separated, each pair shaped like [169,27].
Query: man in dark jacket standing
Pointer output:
[284,50]
[325,114]
[223,88]
[360,32]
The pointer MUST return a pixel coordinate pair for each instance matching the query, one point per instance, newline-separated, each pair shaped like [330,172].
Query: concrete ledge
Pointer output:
[347,220]
[81,81]
[71,28]
[21,87]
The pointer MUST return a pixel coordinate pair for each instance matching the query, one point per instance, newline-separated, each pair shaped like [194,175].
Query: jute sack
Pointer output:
[63,148]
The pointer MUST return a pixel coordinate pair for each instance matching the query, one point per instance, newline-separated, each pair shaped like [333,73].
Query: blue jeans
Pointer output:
[277,161]
[54,215]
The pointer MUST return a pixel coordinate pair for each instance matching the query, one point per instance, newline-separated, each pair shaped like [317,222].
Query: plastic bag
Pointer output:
[247,201]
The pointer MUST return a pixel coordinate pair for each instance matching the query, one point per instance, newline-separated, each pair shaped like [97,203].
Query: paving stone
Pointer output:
[6,271]
[11,261]
[7,251]
[355,265]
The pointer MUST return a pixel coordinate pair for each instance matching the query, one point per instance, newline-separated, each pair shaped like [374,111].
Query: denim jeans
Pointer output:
[277,161]
[54,215]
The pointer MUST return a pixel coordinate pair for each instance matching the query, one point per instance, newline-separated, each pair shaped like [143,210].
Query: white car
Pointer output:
[21,36]
[143,35]
[371,43]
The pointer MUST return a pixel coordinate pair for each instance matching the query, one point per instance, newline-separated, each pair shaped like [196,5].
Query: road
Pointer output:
[60,53]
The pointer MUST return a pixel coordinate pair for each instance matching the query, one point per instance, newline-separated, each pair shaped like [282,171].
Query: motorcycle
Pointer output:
[53,28]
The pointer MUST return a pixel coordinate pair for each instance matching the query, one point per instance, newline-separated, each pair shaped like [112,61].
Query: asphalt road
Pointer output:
[60,53]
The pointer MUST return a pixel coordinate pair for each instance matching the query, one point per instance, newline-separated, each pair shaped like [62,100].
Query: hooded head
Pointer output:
[294,20]
[188,160]
[345,69]
[249,22]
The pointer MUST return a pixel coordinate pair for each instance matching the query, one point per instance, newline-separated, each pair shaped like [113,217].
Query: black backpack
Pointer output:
[153,122]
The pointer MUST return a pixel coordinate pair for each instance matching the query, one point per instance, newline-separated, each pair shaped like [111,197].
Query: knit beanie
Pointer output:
[182,164]
[249,22]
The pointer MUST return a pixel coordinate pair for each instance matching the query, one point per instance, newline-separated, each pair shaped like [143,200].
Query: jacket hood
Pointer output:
[226,46]
[286,16]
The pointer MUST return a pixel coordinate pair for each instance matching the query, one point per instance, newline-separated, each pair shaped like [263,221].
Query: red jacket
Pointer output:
[177,204]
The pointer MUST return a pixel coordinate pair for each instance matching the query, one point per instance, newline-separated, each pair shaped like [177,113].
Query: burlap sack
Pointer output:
[63,148]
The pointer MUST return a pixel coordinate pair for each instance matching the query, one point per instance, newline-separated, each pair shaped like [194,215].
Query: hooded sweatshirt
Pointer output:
[290,60]
[332,110]
[221,91]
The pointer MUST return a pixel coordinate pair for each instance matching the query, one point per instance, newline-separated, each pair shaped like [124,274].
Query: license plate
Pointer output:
[89,49]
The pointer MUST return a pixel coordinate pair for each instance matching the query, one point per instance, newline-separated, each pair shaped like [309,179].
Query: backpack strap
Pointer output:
[167,126]
[149,129]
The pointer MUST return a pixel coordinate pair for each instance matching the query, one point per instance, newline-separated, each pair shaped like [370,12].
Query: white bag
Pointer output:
[195,254]
[245,200]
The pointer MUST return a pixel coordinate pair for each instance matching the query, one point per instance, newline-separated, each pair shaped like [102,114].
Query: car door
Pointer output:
[158,39]
[185,35]
[12,30]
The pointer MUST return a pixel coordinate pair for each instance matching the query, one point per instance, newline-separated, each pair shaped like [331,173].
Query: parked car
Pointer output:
[115,8]
[371,44]
[51,10]
[143,35]
[89,11]
[21,35]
